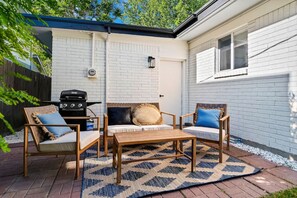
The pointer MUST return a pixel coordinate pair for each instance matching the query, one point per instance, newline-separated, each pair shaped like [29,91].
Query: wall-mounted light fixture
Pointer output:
[151,62]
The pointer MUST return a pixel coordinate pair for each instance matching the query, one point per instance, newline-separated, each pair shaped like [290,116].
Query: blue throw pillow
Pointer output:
[208,118]
[54,118]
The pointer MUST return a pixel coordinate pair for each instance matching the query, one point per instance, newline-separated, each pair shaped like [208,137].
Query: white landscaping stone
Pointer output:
[17,137]
[265,154]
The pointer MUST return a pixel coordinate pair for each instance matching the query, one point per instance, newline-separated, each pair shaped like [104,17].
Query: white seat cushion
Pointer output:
[204,132]
[122,128]
[156,127]
[67,142]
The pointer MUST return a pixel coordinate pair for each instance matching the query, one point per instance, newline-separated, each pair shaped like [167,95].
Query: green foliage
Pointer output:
[16,38]
[3,145]
[159,13]
[104,10]
[282,194]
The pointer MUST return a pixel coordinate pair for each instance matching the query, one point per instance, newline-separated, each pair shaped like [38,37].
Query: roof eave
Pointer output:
[86,25]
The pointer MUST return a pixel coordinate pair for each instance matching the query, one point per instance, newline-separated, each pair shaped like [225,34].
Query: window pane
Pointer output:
[240,57]
[240,39]
[225,52]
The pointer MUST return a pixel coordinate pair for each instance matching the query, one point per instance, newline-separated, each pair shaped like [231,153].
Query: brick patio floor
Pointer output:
[53,177]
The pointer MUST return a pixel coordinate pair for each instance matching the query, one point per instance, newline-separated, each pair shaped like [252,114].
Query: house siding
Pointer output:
[262,104]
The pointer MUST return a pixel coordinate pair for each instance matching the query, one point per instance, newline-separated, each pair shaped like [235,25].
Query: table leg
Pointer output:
[193,154]
[176,148]
[114,154]
[119,167]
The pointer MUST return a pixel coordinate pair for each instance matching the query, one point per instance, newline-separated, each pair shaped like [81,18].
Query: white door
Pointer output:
[171,89]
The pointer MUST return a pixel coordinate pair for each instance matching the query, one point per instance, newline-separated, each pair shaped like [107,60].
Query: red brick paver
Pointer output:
[269,182]
[258,161]
[52,176]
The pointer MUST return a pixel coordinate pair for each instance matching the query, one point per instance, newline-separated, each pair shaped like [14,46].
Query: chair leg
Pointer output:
[77,165]
[228,142]
[221,152]
[105,146]
[98,149]
[25,160]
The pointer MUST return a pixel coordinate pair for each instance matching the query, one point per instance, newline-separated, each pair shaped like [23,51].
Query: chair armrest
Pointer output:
[225,124]
[182,117]
[162,112]
[173,118]
[224,118]
[187,115]
[54,125]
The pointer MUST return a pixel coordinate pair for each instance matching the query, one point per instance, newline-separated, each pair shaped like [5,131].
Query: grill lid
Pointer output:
[73,94]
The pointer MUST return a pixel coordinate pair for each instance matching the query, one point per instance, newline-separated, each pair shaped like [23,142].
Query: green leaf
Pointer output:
[3,145]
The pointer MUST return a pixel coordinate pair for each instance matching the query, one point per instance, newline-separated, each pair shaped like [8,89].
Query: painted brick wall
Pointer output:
[71,58]
[130,79]
[262,105]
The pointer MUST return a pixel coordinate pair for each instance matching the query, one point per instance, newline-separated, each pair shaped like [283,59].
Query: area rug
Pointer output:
[146,178]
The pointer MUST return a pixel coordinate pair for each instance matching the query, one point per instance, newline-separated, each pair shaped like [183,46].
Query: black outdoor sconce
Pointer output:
[151,62]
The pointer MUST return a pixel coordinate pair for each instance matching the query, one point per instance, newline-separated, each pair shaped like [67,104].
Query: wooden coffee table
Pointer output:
[148,137]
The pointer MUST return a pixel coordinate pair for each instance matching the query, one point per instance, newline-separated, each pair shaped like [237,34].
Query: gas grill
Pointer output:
[73,103]
[73,100]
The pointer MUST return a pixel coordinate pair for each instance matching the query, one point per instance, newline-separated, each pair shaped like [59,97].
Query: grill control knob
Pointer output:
[79,105]
[64,105]
[72,105]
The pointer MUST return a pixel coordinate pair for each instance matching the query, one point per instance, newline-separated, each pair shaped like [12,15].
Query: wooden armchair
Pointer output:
[109,130]
[71,143]
[206,134]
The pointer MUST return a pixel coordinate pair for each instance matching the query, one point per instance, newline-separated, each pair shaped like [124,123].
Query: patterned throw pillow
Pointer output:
[146,114]
[45,134]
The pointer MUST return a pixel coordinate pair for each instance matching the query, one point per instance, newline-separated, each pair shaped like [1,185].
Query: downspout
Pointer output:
[93,50]
[107,63]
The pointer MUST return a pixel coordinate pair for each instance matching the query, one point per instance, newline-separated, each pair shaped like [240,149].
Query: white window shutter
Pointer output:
[205,65]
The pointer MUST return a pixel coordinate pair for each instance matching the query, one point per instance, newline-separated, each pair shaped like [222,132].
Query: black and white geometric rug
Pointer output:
[150,177]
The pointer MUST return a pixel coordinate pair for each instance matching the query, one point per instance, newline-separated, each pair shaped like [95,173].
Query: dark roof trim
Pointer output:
[200,14]
[98,26]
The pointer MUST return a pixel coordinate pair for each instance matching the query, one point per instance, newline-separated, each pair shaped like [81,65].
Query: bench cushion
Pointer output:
[204,132]
[67,142]
[122,128]
[133,128]
[156,127]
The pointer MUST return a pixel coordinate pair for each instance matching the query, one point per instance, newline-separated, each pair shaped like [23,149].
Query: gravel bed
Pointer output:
[265,154]
[19,137]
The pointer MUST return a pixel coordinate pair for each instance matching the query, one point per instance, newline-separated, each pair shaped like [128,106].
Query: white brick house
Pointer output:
[243,53]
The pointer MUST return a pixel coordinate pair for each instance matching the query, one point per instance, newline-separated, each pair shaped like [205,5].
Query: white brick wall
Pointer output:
[71,58]
[262,105]
[130,79]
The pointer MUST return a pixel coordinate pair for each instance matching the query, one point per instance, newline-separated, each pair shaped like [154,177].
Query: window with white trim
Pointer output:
[233,51]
